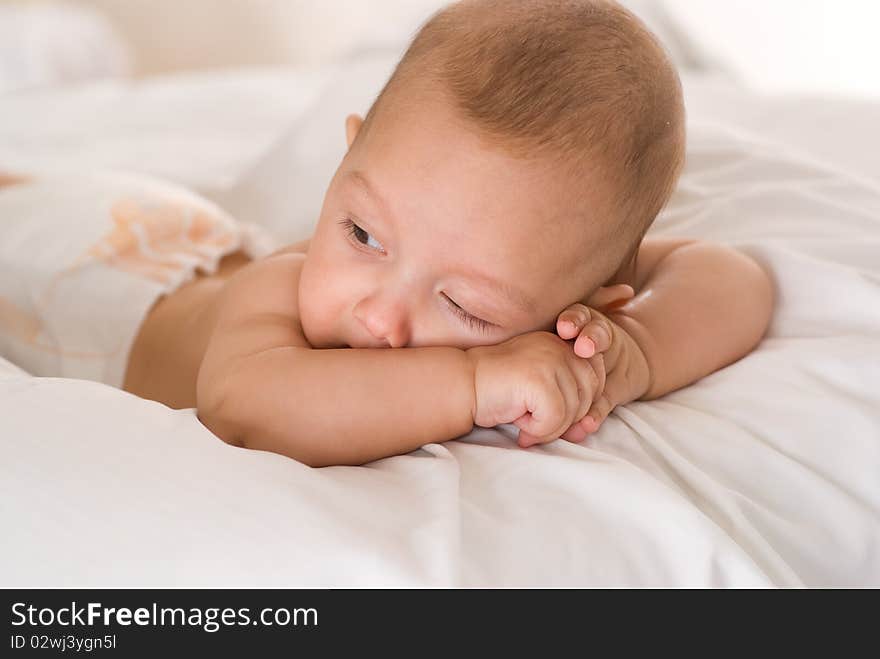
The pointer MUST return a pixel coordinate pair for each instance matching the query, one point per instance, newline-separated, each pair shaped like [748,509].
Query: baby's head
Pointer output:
[510,167]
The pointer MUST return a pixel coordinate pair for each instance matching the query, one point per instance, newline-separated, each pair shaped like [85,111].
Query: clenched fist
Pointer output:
[536,382]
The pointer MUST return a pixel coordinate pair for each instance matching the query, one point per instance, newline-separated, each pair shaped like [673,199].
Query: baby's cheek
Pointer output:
[314,322]
[540,323]
[326,319]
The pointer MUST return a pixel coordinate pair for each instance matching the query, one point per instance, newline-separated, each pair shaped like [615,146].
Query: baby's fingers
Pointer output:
[591,329]
[599,411]
[575,434]
[582,429]
[571,321]
[594,338]
[525,440]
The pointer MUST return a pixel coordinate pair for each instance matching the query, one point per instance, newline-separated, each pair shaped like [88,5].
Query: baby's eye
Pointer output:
[361,236]
[467,318]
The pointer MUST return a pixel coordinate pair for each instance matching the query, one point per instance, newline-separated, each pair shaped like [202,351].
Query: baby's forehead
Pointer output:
[431,167]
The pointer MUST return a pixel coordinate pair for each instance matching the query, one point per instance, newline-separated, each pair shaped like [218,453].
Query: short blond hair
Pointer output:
[582,81]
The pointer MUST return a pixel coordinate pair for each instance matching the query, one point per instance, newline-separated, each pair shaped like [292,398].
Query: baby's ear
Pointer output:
[353,123]
[611,297]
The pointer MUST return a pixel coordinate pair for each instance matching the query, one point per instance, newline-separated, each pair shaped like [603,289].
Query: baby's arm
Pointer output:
[262,386]
[697,308]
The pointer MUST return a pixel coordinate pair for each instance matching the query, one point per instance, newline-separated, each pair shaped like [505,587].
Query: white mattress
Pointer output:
[766,473]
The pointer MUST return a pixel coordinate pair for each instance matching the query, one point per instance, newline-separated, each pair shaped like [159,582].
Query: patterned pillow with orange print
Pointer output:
[160,241]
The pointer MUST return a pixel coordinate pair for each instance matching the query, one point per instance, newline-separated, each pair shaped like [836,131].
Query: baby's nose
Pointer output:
[385,319]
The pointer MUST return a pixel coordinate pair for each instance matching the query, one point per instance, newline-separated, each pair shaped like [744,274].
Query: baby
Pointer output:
[479,258]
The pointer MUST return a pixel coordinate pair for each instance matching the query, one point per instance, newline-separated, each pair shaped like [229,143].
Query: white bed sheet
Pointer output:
[766,473]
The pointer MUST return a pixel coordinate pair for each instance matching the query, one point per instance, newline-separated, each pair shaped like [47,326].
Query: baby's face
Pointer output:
[430,237]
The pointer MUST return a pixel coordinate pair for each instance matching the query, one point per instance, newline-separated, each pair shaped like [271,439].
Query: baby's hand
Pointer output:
[536,382]
[589,328]
[592,334]
[626,370]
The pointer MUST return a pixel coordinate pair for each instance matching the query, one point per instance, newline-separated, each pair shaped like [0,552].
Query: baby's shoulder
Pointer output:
[265,287]
[645,258]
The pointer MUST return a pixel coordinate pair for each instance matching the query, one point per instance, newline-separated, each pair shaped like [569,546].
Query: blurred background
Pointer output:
[773,46]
